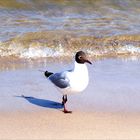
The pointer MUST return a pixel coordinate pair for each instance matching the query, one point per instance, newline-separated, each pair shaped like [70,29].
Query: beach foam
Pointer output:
[54,44]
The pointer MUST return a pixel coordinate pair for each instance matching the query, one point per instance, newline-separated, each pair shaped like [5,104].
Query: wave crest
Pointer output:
[38,45]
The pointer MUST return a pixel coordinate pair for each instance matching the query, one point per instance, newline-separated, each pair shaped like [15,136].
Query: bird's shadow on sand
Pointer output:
[42,102]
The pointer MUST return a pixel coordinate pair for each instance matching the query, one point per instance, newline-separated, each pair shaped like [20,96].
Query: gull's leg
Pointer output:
[64,103]
[63,100]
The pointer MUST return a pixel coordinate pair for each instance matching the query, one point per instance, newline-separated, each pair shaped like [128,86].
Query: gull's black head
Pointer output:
[81,58]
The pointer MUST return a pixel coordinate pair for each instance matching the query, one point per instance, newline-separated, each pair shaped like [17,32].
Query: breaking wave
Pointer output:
[45,44]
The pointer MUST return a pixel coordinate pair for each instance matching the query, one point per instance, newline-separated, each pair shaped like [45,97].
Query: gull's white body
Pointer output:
[78,79]
[71,81]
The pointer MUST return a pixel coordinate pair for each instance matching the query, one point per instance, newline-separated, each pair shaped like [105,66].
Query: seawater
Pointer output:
[52,28]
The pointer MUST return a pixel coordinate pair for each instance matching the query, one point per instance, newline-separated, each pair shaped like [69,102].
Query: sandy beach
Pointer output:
[79,125]
[108,109]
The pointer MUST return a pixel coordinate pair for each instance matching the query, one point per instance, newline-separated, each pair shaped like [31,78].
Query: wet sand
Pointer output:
[108,109]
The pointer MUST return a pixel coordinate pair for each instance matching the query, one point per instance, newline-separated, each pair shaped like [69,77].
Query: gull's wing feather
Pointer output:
[60,80]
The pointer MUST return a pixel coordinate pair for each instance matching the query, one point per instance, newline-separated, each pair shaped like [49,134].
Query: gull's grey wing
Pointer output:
[60,80]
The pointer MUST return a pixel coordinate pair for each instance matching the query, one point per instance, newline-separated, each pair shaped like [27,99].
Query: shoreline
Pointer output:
[15,63]
[99,95]
[108,109]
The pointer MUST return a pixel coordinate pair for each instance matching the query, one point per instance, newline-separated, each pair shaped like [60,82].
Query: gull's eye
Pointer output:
[80,57]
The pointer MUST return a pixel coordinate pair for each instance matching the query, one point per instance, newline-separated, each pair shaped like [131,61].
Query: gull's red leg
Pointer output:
[64,103]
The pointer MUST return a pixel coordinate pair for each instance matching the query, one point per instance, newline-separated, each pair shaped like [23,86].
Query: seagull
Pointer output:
[71,81]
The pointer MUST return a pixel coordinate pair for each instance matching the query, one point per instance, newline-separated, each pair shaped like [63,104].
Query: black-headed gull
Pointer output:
[71,81]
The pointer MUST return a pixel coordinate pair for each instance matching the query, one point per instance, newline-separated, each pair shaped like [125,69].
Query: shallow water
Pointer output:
[113,87]
[53,28]
[93,17]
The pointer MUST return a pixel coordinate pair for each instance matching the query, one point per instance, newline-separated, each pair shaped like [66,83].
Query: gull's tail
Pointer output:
[47,74]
